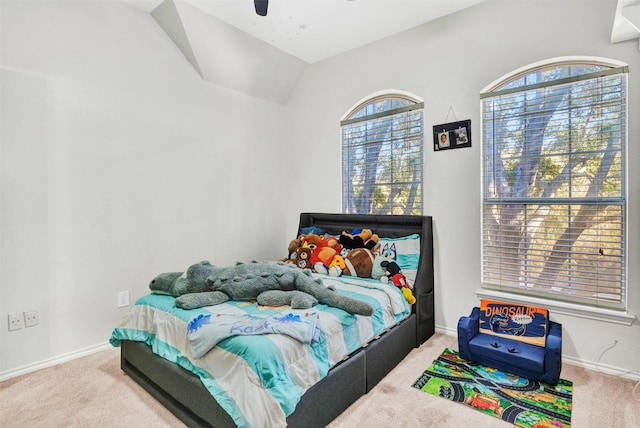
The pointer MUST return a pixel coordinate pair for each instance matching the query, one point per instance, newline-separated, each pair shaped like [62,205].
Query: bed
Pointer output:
[169,375]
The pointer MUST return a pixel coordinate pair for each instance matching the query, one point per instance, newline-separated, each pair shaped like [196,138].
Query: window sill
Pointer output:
[564,308]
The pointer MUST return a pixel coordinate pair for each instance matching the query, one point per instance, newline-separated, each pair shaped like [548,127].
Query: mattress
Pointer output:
[259,378]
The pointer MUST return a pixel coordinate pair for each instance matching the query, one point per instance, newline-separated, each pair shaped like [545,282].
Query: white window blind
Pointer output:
[554,184]
[382,157]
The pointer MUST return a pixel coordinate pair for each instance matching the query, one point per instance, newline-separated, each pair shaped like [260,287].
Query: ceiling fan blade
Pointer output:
[261,7]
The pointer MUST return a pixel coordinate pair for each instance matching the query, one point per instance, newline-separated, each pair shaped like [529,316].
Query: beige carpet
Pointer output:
[93,392]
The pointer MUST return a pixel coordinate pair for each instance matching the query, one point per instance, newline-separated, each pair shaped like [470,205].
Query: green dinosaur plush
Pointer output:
[269,283]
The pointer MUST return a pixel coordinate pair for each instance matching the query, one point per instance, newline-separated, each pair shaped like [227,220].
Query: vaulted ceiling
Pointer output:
[228,44]
[626,24]
[313,30]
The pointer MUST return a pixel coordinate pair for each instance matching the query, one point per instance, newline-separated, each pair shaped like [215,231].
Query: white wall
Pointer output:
[118,162]
[448,62]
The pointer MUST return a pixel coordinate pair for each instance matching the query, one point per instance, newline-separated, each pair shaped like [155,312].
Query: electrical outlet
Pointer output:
[31,318]
[123,299]
[16,321]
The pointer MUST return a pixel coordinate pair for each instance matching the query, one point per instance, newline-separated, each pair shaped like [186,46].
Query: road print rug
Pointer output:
[522,402]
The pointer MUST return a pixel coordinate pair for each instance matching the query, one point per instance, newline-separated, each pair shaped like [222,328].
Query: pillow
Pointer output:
[523,323]
[311,230]
[405,251]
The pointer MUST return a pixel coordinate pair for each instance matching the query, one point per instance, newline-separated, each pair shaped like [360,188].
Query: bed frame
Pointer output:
[183,394]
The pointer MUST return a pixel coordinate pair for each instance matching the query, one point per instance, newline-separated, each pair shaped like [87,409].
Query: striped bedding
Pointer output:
[259,379]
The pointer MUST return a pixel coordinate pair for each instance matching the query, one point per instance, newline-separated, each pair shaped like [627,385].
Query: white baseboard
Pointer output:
[448,331]
[602,368]
[53,361]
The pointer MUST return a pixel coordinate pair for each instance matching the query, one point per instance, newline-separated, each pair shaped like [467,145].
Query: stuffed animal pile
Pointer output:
[356,253]
[350,254]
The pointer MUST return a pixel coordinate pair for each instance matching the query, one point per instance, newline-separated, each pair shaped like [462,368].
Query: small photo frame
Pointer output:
[453,135]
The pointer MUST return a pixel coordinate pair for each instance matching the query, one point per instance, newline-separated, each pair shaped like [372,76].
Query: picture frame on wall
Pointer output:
[453,135]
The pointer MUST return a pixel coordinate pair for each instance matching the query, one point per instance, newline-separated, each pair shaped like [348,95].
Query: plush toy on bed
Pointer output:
[337,265]
[292,249]
[324,254]
[364,238]
[386,253]
[269,283]
[394,274]
[358,262]
[302,258]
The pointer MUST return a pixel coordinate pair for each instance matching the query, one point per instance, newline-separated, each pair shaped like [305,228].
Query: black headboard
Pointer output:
[393,226]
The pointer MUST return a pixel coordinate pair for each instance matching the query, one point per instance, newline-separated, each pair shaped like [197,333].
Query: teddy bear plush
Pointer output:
[311,240]
[269,283]
[302,258]
[294,244]
[395,276]
[323,250]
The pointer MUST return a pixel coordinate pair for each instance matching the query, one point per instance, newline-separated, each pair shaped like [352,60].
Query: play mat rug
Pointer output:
[522,402]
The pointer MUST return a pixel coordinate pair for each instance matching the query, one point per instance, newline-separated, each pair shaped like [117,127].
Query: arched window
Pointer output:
[382,156]
[554,205]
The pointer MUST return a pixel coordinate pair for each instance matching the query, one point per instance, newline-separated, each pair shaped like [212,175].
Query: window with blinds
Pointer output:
[554,183]
[382,157]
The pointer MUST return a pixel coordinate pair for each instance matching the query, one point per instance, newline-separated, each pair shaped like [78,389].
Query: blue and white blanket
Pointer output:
[206,330]
[258,391]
